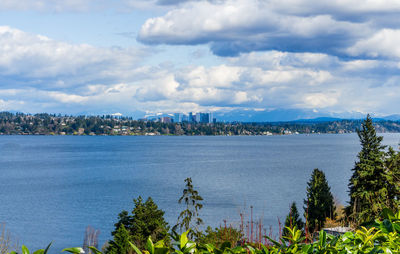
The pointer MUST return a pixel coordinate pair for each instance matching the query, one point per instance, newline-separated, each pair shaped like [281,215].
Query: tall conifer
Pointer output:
[120,243]
[392,164]
[368,184]
[319,203]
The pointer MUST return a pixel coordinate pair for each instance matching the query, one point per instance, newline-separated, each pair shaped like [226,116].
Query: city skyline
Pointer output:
[179,117]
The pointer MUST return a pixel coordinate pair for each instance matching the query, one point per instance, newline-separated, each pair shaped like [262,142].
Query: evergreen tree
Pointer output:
[189,218]
[319,204]
[146,220]
[368,185]
[293,220]
[120,243]
[392,166]
[124,219]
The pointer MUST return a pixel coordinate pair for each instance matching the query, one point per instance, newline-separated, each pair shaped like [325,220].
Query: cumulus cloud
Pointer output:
[34,57]
[38,74]
[339,28]
[383,44]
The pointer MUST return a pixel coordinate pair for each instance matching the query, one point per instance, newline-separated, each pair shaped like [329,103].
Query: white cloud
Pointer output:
[38,57]
[320,100]
[383,44]
[38,74]
[241,26]
[67,98]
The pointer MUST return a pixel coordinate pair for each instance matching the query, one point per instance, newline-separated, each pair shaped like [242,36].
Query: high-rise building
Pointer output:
[178,117]
[190,117]
[204,117]
[198,118]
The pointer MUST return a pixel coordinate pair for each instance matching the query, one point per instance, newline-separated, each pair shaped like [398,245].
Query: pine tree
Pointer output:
[392,164]
[146,220]
[120,243]
[319,204]
[368,185]
[293,220]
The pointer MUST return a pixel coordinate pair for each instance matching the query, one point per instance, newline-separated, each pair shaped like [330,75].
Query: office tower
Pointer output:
[178,117]
[190,117]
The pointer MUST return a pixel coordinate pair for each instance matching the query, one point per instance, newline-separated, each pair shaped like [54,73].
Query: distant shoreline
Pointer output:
[103,135]
[46,124]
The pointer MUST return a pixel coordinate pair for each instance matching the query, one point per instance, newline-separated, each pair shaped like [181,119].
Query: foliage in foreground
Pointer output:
[293,220]
[382,237]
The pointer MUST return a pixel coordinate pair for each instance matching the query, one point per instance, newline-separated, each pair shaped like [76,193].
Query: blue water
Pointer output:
[52,187]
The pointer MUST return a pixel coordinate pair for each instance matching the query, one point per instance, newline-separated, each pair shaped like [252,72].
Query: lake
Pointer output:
[52,187]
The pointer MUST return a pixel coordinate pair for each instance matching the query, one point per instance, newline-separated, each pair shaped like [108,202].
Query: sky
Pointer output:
[138,57]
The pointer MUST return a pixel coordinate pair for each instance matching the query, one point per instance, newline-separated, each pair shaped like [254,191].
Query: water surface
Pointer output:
[52,187]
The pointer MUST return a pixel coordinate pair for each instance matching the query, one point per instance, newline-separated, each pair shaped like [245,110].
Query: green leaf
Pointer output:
[209,247]
[136,249]
[388,214]
[41,251]
[265,250]
[306,248]
[95,251]
[240,249]
[251,249]
[76,250]
[387,226]
[322,238]
[24,250]
[184,239]
[174,235]
[150,245]
[163,250]
[396,227]
[47,248]
[273,241]
[159,244]
[189,246]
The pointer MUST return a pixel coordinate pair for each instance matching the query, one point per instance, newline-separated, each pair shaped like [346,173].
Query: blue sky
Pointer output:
[137,57]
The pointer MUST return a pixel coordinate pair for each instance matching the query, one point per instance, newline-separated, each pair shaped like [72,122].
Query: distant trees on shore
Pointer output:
[51,124]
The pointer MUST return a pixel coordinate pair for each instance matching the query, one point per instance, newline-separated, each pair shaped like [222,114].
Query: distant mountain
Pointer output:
[284,115]
[319,120]
[395,117]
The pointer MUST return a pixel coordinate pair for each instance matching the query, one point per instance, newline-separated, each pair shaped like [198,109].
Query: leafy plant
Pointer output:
[25,250]
[293,220]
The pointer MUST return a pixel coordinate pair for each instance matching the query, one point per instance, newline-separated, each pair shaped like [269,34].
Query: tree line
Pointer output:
[51,124]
